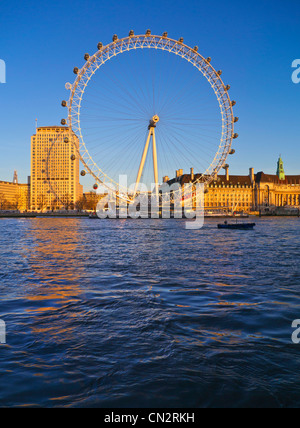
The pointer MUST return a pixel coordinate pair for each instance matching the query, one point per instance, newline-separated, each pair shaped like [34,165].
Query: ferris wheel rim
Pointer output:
[119,46]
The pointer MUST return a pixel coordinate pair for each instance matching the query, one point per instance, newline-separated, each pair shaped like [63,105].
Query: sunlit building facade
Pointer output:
[54,170]
[14,196]
[246,193]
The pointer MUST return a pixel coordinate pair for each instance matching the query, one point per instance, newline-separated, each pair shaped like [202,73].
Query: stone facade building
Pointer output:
[14,196]
[246,193]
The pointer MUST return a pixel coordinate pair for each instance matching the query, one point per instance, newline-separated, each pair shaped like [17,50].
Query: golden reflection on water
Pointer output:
[52,253]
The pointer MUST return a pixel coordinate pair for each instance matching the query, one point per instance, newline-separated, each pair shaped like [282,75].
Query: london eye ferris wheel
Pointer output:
[139,107]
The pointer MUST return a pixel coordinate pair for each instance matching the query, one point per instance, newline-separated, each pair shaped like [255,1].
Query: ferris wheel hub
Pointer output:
[153,121]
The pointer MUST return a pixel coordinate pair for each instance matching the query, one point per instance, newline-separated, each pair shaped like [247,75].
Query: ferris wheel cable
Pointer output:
[110,128]
[103,126]
[140,95]
[129,94]
[193,120]
[132,142]
[195,141]
[178,145]
[180,94]
[170,75]
[151,89]
[104,122]
[129,140]
[109,119]
[121,101]
[107,104]
[112,136]
[82,113]
[183,115]
[126,144]
[164,161]
[204,137]
[110,144]
[173,149]
[183,154]
[191,131]
[134,119]
[169,169]
[183,108]
[111,76]
[170,152]
[179,116]
[184,112]
[109,95]
[128,109]
[101,104]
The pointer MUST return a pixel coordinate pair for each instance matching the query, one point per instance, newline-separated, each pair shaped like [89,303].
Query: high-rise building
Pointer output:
[54,169]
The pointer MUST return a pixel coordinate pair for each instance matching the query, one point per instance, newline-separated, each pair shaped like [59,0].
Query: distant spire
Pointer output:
[280,169]
[15,179]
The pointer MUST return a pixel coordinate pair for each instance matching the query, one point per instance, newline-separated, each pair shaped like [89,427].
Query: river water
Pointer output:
[144,313]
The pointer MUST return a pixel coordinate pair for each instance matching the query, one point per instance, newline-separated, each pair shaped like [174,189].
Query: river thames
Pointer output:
[144,313]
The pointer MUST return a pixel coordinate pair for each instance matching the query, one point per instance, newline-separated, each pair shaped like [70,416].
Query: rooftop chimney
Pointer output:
[251,174]
[179,173]
[192,174]
[226,167]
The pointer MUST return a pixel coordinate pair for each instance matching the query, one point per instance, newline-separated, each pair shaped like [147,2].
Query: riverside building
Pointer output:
[13,195]
[54,169]
[246,193]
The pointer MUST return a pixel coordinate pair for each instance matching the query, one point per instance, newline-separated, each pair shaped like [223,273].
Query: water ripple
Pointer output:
[147,313]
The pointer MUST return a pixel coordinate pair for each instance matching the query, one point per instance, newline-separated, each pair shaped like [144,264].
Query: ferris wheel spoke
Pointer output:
[182,153]
[133,100]
[178,96]
[195,140]
[122,100]
[125,163]
[198,150]
[113,141]
[109,105]
[204,136]
[171,153]
[186,150]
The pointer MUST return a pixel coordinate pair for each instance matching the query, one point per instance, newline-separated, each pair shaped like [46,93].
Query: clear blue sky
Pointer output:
[253,42]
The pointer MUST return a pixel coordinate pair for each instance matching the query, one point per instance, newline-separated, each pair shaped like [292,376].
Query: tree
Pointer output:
[17,202]
[92,200]
[67,200]
[41,202]
[55,203]
[80,204]
[3,201]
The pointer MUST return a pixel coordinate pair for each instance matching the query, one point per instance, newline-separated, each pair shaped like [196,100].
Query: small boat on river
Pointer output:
[237,226]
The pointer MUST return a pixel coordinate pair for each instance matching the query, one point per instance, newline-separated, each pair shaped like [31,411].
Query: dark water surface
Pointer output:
[144,313]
